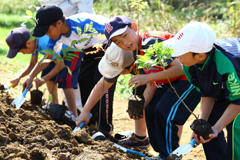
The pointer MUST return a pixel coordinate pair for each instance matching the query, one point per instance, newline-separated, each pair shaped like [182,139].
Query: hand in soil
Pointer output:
[135,106]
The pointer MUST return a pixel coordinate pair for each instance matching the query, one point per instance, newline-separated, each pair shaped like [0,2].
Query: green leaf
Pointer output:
[64,52]
[82,40]
[59,58]
[31,38]
[68,49]
[69,71]
[93,30]
[68,59]
[73,42]
[29,13]
[73,54]
[79,30]
[86,27]
[43,59]
[48,52]
[50,98]
[76,50]
[90,26]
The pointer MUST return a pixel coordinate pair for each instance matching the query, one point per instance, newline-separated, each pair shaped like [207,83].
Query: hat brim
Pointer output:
[40,31]
[172,43]
[107,70]
[118,32]
[12,52]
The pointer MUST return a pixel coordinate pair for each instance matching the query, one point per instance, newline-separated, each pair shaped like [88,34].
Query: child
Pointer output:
[123,32]
[50,21]
[18,40]
[116,61]
[213,67]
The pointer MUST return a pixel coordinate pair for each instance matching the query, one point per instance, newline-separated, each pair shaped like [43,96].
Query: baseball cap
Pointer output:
[46,16]
[195,37]
[116,25]
[114,61]
[15,39]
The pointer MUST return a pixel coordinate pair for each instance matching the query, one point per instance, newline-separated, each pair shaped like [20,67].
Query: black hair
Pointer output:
[63,19]
[208,53]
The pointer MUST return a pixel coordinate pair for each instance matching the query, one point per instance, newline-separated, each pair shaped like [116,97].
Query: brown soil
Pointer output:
[135,105]
[202,128]
[27,133]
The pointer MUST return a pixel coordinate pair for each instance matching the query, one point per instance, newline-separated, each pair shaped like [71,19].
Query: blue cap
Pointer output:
[15,39]
[116,26]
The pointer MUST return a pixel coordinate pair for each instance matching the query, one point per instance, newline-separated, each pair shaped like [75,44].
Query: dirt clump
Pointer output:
[136,105]
[202,129]
[28,133]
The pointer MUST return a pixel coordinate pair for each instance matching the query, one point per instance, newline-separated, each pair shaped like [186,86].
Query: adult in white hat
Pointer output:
[213,67]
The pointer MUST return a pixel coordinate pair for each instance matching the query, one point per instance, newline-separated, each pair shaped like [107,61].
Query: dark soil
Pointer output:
[202,129]
[135,105]
[36,97]
[29,133]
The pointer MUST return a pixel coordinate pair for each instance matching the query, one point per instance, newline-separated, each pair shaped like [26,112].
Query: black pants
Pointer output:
[89,75]
[165,112]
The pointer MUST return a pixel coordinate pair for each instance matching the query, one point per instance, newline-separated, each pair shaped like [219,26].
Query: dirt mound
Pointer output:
[28,133]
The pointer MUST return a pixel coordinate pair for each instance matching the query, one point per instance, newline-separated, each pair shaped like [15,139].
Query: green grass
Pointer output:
[168,16]
[11,20]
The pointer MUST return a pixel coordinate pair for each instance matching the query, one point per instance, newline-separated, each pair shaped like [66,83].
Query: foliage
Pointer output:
[160,54]
[17,7]
[68,52]
[122,90]
[159,15]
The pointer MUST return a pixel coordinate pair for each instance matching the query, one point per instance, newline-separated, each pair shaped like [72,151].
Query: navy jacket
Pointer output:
[219,76]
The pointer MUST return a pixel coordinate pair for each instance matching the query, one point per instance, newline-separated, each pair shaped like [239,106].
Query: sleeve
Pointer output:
[111,80]
[54,45]
[233,87]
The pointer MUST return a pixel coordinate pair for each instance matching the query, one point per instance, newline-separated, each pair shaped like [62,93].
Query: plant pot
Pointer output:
[136,105]
[57,111]
[2,88]
[202,129]
[36,97]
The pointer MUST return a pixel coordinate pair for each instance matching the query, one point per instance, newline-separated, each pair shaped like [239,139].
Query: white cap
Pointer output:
[114,61]
[195,37]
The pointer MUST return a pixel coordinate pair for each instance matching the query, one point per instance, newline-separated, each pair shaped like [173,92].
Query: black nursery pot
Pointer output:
[202,129]
[136,105]
[57,111]
[36,97]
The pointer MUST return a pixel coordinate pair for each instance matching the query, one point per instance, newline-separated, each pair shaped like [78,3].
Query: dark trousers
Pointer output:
[165,111]
[88,77]
[218,148]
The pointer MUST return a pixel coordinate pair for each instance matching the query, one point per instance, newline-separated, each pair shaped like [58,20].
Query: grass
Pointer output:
[160,15]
